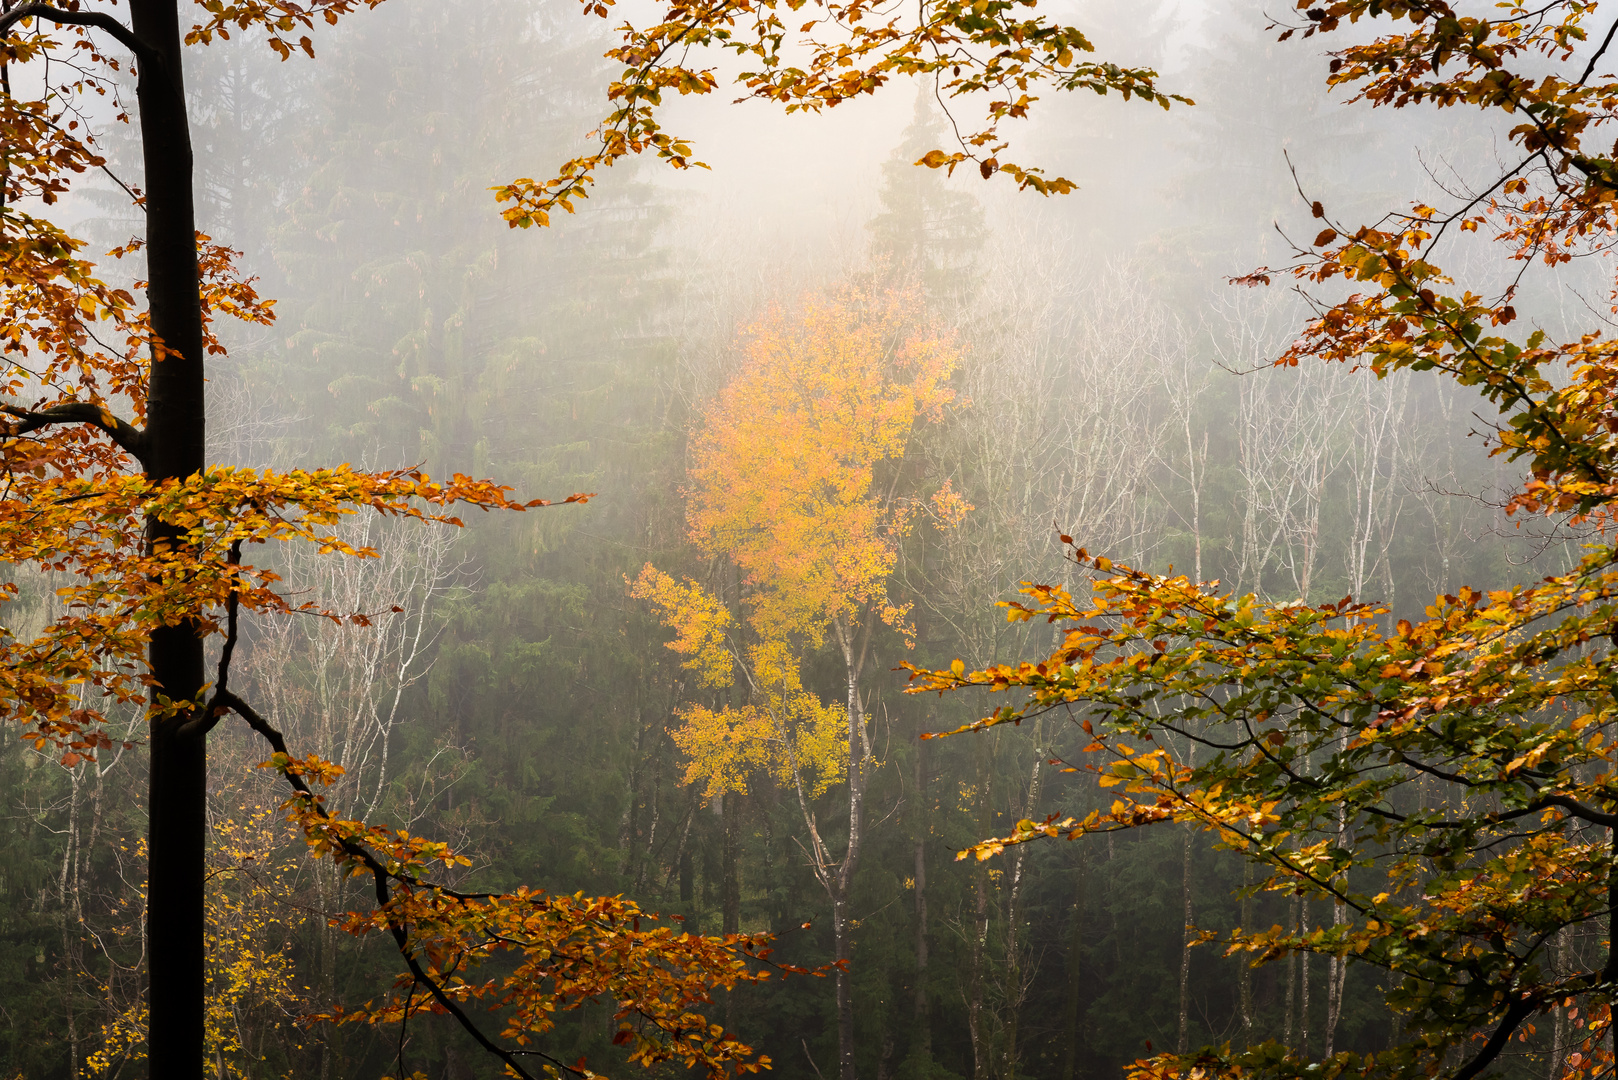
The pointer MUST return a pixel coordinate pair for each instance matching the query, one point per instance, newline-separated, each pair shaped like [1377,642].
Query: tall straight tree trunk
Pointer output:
[1185,932]
[922,1024]
[837,877]
[329,888]
[977,974]
[1185,940]
[1015,984]
[731,902]
[1244,973]
[1075,969]
[1559,1020]
[843,877]
[1337,966]
[1292,989]
[1303,982]
[174,445]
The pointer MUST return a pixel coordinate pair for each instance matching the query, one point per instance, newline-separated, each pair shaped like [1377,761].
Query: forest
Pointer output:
[1124,591]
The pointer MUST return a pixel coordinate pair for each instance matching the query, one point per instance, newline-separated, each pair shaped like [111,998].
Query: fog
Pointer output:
[523,687]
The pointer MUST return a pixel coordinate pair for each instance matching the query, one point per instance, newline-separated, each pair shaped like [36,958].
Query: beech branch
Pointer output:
[98,20]
[1516,1013]
[126,435]
[381,875]
[216,707]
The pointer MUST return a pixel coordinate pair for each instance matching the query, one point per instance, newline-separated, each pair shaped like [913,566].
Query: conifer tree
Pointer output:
[928,230]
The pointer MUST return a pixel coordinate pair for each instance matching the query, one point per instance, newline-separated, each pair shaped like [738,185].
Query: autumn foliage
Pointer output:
[793,479]
[995,54]
[797,481]
[788,734]
[1445,783]
[784,469]
[153,555]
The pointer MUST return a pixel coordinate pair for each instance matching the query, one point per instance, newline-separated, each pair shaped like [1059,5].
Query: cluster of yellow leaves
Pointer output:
[784,732]
[784,483]
[950,506]
[783,477]
[252,914]
[1320,712]
[130,556]
[1324,722]
[1553,203]
[998,53]
[73,503]
[702,624]
[90,531]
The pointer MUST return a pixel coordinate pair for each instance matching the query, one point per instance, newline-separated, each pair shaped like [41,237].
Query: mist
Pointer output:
[651,693]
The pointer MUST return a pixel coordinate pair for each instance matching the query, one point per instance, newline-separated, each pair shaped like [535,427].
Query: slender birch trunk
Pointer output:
[923,1027]
[1185,940]
[1289,1015]
[1244,973]
[977,960]
[1303,982]
[1016,988]
[842,878]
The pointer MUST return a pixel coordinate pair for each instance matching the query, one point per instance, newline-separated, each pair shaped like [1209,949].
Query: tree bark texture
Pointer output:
[731,913]
[837,877]
[1016,980]
[843,880]
[177,827]
[1186,932]
[1292,989]
[1244,973]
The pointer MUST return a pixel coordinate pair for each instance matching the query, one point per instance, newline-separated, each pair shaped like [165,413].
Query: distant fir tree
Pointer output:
[927,230]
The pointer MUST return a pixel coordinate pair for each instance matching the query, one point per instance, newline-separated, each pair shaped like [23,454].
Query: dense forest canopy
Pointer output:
[643,780]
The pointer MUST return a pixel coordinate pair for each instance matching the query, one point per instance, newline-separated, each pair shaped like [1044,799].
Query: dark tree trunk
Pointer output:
[923,1033]
[1185,940]
[731,917]
[177,835]
[1072,1013]
[731,901]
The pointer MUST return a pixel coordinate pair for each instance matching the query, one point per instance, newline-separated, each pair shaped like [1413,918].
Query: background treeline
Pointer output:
[520,705]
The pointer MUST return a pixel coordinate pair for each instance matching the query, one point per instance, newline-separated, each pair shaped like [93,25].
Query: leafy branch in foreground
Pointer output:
[997,51]
[144,554]
[1446,785]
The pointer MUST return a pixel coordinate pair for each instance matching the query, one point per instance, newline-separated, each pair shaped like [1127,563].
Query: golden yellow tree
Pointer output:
[784,731]
[794,478]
